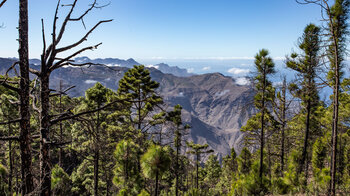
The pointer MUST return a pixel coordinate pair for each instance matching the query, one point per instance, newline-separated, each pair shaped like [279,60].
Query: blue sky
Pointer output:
[171,29]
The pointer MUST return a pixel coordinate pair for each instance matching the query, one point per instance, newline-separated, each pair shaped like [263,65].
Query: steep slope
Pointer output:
[214,105]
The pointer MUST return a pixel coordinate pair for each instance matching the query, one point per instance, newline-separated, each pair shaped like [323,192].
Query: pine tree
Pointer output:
[338,30]
[60,181]
[265,94]
[306,66]
[126,173]
[180,128]
[138,91]
[198,150]
[154,163]
[91,135]
[244,161]
[213,172]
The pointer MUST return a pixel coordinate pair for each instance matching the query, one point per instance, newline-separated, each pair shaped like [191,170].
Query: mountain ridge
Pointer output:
[213,104]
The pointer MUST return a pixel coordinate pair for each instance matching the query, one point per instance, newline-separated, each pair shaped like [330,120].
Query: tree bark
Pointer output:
[25,137]
[156,190]
[10,157]
[283,124]
[45,160]
[177,163]
[197,165]
[61,129]
[97,155]
[262,127]
[335,127]
[306,138]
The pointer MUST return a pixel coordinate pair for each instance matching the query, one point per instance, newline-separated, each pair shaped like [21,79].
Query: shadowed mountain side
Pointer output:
[213,104]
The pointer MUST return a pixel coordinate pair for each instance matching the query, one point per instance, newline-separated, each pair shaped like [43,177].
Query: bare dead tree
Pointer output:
[50,62]
[23,92]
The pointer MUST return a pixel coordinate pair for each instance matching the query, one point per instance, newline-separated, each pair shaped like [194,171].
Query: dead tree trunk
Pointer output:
[49,63]
[25,137]
[10,158]
[45,160]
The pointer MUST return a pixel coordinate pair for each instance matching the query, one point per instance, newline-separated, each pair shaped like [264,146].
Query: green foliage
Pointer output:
[250,184]
[321,179]
[213,172]
[306,66]
[319,154]
[193,192]
[338,37]
[229,169]
[155,161]
[244,161]
[96,94]
[280,186]
[138,92]
[3,175]
[198,149]
[60,181]
[292,179]
[82,179]
[143,193]
[126,172]
[265,67]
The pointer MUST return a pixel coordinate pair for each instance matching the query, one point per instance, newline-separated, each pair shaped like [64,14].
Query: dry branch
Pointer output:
[9,138]
[2,3]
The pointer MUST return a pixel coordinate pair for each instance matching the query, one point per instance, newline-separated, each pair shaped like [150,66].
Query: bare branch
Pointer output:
[51,48]
[59,143]
[44,39]
[63,27]
[33,71]
[12,67]
[62,118]
[34,99]
[85,13]
[66,60]
[83,38]
[9,138]
[10,122]
[62,92]
[8,82]
[2,3]
[9,86]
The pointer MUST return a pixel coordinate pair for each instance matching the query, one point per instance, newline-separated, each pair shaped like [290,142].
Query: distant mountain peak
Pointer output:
[131,60]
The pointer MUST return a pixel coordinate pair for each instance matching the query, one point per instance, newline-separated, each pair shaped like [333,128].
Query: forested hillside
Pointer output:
[149,136]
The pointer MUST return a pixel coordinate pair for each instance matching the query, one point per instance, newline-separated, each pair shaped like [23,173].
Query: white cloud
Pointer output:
[221,58]
[238,71]
[206,68]
[158,58]
[113,65]
[190,70]
[181,94]
[90,81]
[154,66]
[229,58]
[203,58]
[242,81]
[277,84]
